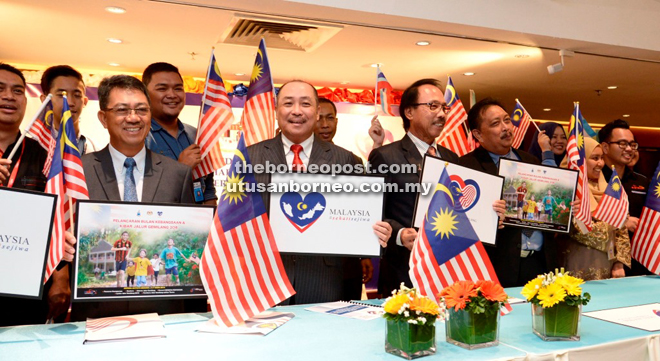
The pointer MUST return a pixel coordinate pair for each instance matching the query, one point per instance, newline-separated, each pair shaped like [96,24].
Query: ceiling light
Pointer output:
[423,43]
[114,64]
[521,56]
[115,41]
[555,68]
[546,109]
[468,74]
[612,87]
[345,82]
[376,65]
[239,74]
[626,115]
[115,9]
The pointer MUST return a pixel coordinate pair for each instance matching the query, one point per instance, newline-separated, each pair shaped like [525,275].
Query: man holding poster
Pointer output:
[518,256]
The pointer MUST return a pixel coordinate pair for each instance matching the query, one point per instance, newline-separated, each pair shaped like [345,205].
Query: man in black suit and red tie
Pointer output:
[315,278]
[423,110]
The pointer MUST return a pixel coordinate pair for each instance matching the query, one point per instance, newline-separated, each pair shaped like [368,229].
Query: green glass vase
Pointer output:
[472,331]
[560,322]
[408,340]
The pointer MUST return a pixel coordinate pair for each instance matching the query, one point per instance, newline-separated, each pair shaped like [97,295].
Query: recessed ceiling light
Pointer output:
[376,65]
[423,43]
[345,82]
[115,41]
[546,109]
[612,87]
[114,64]
[626,115]
[239,74]
[115,9]
[521,56]
[468,74]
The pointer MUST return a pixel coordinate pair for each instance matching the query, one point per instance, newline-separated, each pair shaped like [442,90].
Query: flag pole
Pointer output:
[206,86]
[376,90]
[530,118]
[34,119]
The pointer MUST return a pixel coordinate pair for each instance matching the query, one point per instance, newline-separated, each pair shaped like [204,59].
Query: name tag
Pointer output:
[197,190]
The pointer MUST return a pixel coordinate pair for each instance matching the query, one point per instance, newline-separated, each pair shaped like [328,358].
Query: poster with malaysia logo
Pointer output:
[324,214]
[474,193]
[139,250]
[538,196]
[26,222]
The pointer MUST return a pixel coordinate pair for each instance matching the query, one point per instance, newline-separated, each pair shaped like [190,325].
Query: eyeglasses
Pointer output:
[623,144]
[434,106]
[125,111]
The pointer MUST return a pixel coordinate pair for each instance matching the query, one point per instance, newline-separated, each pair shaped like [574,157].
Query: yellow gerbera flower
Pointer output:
[425,305]
[394,303]
[570,284]
[551,295]
[532,288]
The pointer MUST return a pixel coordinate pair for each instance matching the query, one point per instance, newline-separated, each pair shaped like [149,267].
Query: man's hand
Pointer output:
[575,206]
[499,206]
[191,156]
[4,171]
[617,270]
[632,224]
[376,132]
[59,295]
[383,231]
[544,141]
[408,236]
[69,247]
[367,270]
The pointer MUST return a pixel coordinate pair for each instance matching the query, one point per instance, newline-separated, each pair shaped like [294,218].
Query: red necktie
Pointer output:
[297,162]
[431,151]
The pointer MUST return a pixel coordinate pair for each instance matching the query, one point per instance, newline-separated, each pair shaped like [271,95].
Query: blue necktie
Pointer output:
[130,192]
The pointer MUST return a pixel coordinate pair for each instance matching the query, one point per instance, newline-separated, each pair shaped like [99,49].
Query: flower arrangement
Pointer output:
[407,305]
[557,301]
[473,313]
[550,289]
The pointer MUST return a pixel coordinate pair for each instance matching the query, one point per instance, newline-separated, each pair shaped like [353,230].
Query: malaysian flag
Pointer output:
[41,130]
[613,207]
[454,135]
[384,89]
[646,241]
[258,120]
[575,151]
[215,120]
[241,267]
[520,120]
[66,180]
[447,249]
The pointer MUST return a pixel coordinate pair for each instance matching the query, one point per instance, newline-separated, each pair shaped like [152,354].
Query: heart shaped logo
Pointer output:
[302,212]
[466,191]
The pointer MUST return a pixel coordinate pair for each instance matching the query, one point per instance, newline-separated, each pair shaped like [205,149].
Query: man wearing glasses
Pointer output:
[619,145]
[423,110]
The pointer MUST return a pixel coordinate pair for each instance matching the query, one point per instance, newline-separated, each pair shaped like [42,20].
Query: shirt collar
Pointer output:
[510,155]
[156,127]
[306,144]
[119,158]
[421,145]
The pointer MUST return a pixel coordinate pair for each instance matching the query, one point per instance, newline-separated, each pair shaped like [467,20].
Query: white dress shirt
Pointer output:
[118,160]
[304,155]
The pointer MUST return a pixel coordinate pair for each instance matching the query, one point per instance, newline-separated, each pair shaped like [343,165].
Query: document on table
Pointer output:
[644,317]
[122,328]
[261,324]
[358,311]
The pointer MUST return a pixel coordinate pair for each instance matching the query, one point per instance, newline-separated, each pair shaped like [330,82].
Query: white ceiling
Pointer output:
[38,33]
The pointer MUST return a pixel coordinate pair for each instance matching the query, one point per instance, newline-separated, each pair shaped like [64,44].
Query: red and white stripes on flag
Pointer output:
[454,135]
[613,206]
[248,275]
[520,120]
[576,160]
[55,186]
[646,241]
[456,141]
[258,120]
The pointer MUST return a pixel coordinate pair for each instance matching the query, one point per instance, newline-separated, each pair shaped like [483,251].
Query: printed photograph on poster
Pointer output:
[131,250]
[475,192]
[26,222]
[328,215]
[538,196]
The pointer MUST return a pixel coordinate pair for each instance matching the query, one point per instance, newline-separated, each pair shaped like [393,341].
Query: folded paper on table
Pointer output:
[122,328]
[355,310]
[643,317]
[261,324]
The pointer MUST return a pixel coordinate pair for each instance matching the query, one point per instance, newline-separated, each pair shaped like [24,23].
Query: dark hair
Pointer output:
[474,115]
[316,94]
[122,82]
[123,233]
[11,69]
[328,101]
[56,71]
[535,148]
[158,68]
[605,133]
[410,95]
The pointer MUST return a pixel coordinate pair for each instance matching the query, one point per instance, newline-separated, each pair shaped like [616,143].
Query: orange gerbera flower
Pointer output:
[491,291]
[425,305]
[458,294]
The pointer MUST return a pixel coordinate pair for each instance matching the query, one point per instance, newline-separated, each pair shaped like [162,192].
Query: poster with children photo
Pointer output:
[538,196]
[139,251]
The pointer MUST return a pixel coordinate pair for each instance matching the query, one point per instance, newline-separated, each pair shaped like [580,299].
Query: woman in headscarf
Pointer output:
[601,253]
[558,142]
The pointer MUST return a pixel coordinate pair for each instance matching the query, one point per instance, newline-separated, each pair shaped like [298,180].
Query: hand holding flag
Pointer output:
[613,207]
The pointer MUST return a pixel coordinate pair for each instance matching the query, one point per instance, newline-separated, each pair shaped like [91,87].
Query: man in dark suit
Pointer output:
[315,278]
[516,257]
[126,171]
[423,110]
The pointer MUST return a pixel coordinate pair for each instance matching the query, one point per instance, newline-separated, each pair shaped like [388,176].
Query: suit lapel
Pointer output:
[105,173]
[410,152]
[485,160]
[274,151]
[321,152]
[152,174]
